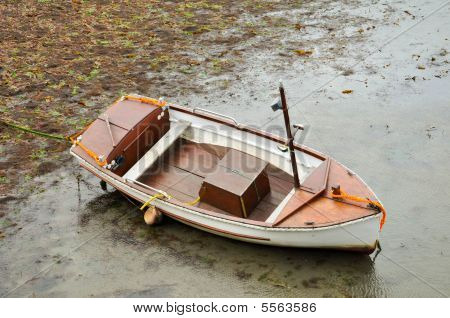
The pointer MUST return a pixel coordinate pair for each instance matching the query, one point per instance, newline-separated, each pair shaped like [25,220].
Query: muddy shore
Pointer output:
[61,235]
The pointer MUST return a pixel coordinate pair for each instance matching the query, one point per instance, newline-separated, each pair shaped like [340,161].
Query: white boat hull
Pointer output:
[357,235]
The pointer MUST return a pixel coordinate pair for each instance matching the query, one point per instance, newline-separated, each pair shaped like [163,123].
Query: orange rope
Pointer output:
[343,195]
[92,154]
[146,100]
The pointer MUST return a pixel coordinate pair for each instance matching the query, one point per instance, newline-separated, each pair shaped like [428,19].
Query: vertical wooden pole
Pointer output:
[287,122]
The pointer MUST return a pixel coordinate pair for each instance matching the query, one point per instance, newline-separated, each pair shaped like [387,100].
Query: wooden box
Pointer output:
[135,128]
[237,185]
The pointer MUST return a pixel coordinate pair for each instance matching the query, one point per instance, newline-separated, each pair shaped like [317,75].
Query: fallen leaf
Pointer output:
[411,78]
[347,91]
[410,14]
[303,52]
[298,26]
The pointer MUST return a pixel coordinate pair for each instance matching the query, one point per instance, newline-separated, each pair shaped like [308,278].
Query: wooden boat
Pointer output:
[210,172]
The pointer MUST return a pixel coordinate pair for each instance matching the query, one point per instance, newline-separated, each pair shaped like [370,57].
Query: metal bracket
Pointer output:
[297,128]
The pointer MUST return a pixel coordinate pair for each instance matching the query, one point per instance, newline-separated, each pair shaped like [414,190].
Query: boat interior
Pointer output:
[183,168]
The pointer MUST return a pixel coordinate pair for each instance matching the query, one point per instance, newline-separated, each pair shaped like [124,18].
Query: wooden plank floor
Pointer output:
[183,168]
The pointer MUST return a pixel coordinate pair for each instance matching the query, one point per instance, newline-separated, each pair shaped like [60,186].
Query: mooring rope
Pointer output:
[35,132]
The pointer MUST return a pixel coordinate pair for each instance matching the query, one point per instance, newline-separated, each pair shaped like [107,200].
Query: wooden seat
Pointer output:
[175,131]
[274,215]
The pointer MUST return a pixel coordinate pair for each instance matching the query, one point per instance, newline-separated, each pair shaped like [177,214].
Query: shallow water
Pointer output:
[72,239]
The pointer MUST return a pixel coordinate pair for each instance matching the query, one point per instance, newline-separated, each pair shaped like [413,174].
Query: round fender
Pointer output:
[153,216]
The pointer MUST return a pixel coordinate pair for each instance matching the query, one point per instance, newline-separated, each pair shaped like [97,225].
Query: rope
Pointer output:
[162,196]
[340,194]
[151,199]
[197,200]
[34,132]
[99,160]
[146,100]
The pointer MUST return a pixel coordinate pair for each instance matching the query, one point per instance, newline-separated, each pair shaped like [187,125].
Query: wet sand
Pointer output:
[69,238]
